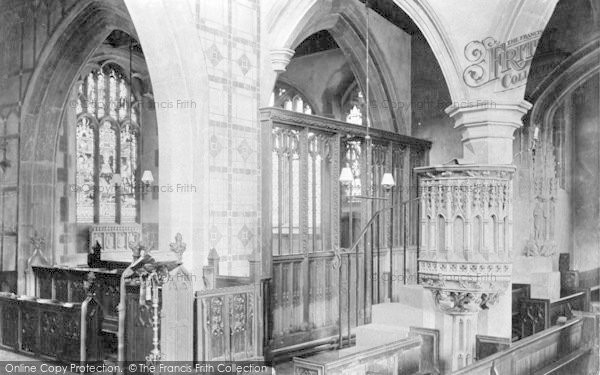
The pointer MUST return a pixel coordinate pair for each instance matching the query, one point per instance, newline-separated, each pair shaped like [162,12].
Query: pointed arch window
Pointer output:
[353,103]
[286,97]
[107,143]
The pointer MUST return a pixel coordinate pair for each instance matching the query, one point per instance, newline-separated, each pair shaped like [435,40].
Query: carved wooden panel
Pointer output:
[29,330]
[9,315]
[229,323]
[138,331]
[61,287]
[50,329]
[78,293]
[51,323]
[44,282]
[71,333]
[533,315]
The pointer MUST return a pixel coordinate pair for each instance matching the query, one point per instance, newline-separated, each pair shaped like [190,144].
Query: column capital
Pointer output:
[280,58]
[487,128]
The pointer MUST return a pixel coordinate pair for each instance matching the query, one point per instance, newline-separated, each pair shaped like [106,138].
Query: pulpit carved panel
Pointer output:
[466,229]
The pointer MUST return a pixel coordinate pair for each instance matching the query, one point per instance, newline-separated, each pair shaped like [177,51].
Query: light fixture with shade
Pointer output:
[117,180]
[147,177]
[346,176]
[387,181]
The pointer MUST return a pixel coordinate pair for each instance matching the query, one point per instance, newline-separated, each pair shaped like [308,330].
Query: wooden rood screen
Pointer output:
[312,220]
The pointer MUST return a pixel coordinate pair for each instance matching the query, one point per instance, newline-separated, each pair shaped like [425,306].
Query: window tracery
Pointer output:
[107,139]
[288,98]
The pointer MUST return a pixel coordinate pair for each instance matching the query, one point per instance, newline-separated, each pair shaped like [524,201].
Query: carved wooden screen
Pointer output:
[302,198]
[303,208]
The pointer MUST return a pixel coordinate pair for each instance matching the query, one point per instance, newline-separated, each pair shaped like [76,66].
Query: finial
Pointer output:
[178,247]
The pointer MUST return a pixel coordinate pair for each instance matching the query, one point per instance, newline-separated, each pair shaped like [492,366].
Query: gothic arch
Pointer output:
[346,30]
[80,32]
[434,32]
[302,15]
[571,73]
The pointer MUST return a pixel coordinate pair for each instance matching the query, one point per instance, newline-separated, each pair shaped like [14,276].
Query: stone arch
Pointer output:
[307,98]
[302,14]
[73,42]
[347,30]
[570,74]
[79,33]
[347,35]
[422,14]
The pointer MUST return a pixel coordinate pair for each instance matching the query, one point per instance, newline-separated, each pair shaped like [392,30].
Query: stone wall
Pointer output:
[22,42]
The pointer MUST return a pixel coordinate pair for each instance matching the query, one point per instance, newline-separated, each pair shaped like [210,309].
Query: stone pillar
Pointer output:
[466,230]
[487,129]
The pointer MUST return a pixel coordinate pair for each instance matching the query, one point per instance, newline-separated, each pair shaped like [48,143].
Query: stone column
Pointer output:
[466,231]
[487,129]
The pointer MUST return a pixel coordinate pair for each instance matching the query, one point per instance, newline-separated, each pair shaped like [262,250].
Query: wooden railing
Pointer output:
[65,332]
[372,270]
[536,315]
[555,347]
[229,323]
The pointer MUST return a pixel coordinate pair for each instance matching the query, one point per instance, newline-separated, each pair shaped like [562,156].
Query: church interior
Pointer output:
[325,186]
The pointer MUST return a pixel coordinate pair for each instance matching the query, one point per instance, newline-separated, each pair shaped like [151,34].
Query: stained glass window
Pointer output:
[85,170]
[107,139]
[128,160]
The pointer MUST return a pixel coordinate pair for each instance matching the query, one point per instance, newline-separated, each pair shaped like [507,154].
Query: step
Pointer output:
[371,335]
[401,315]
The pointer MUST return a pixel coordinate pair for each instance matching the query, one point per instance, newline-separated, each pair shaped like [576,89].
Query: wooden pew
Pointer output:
[561,349]
[399,357]
[572,281]
[519,292]
[65,332]
[536,315]
[66,284]
[486,346]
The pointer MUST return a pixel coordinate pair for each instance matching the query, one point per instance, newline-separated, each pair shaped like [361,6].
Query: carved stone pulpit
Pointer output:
[466,246]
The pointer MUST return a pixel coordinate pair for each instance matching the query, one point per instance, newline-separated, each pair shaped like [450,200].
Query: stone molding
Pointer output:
[280,58]
[466,234]
[484,277]
[487,128]
[463,303]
